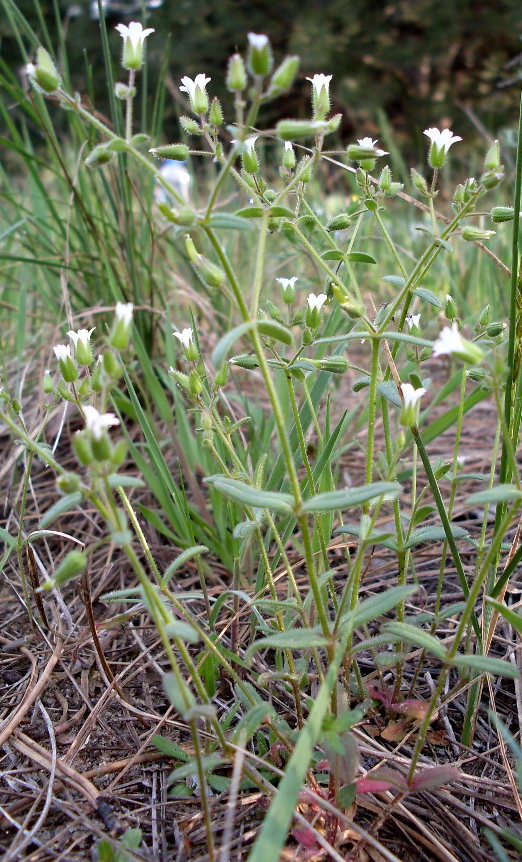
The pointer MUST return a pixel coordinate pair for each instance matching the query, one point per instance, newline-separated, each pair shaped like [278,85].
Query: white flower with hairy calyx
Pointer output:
[288,289]
[96,423]
[185,336]
[410,404]
[316,301]
[133,38]
[81,340]
[320,95]
[451,342]
[441,141]
[412,320]
[197,93]
[369,144]
[120,333]
[287,282]
[123,312]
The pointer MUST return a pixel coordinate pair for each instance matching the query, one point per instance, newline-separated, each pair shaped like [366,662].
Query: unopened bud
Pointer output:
[124,92]
[500,214]
[492,160]
[176,152]
[292,130]
[215,116]
[485,316]
[495,329]
[100,156]
[236,74]
[44,75]
[288,156]
[476,234]
[47,383]
[73,565]
[82,448]
[419,182]
[195,384]
[68,483]
[334,364]
[285,74]
[450,308]
[259,57]
[190,126]
[340,222]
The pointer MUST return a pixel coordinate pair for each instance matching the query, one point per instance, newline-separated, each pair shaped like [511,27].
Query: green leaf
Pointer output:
[414,635]
[350,497]
[332,254]
[427,296]
[485,664]
[280,212]
[70,501]
[228,221]
[251,722]
[405,338]
[500,494]
[6,537]
[251,212]
[189,554]
[170,748]
[396,280]
[118,481]
[376,537]
[294,639]
[178,693]
[250,496]
[511,616]
[270,328]
[389,391]
[360,257]
[434,534]
[182,630]
[376,606]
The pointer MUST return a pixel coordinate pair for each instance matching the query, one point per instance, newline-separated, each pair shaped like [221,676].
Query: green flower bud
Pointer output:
[305,169]
[476,374]
[259,57]
[334,364]
[500,214]
[365,150]
[292,130]
[320,95]
[491,179]
[82,448]
[249,156]
[285,74]
[177,152]
[182,216]
[450,308]
[67,365]
[215,117]
[246,360]
[69,483]
[190,126]
[122,91]
[476,234]
[485,315]
[119,453]
[288,156]
[195,384]
[73,565]
[495,329]
[236,74]
[101,155]
[419,183]
[44,75]
[221,377]
[181,379]
[47,383]
[492,160]
[340,222]
[121,327]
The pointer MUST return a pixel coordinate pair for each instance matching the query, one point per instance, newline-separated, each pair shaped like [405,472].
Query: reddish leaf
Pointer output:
[305,837]
[413,708]
[434,777]
[383,775]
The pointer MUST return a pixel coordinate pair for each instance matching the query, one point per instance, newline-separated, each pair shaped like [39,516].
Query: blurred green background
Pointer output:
[424,62]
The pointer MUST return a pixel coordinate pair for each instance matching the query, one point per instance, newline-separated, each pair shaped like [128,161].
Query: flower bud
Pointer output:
[491,179]
[288,156]
[176,152]
[245,360]
[334,364]
[67,365]
[118,453]
[44,75]
[236,74]
[195,384]
[495,329]
[291,130]
[285,74]
[340,222]
[73,565]
[485,316]
[101,155]
[500,214]
[121,327]
[450,308]
[190,126]
[221,377]
[492,160]
[82,448]
[124,92]
[215,117]
[419,183]
[320,95]
[305,169]
[68,483]
[259,57]
[476,234]
[249,156]
[47,383]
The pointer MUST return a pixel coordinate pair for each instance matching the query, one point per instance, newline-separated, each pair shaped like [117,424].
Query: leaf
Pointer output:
[332,254]
[389,391]
[350,497]
[500,494]
[414,635]
[434,776]
[383,775]
[485,664]
[511,616]
[228,221]
[182,630]
[396,280]
[118,481]
[406,338]
[266,327]
[434,534]
[187,555]
[376,606]
[178,693]
[427,296]
[70,501]
[169,748]
[294,639]
[360,257]
[251,721]
[280,212]
[375,538]
[250,496]
[250,212]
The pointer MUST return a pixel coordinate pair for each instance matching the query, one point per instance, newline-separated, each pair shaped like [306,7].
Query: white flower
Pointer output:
[96,422]
[185,336]
[320,82]
[369,144]
[83,336]
[134,33]
[288,282]
[442,139]
[62,352]
[288,146]
[410,395]
[412,320]
[316,301]
[449,341]
[197,92]
[123,312]
[133,38]
[258,41]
